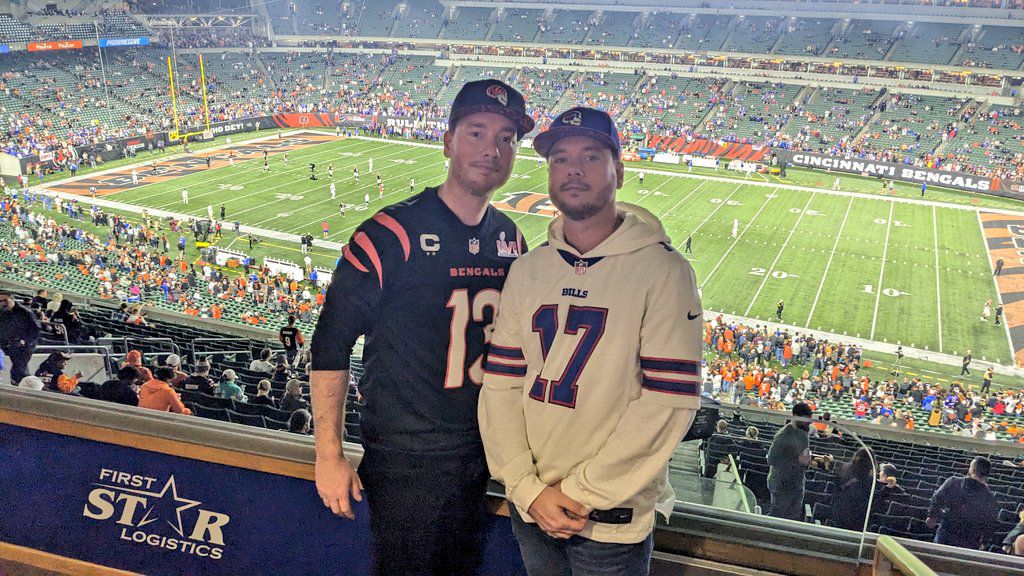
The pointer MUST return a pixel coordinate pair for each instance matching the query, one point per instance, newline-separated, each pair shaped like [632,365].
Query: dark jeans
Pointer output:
[425,511]
[578,556]
[20,356]
[788,504]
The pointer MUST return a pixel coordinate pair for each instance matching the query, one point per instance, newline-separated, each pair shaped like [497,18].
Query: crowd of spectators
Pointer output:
[774,369]
[891,127]
[135,263]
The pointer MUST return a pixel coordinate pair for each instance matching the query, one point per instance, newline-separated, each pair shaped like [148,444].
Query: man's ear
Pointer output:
[620,174]
[447,140]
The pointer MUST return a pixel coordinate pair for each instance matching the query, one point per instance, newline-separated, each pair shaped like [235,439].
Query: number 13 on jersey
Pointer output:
[462,311]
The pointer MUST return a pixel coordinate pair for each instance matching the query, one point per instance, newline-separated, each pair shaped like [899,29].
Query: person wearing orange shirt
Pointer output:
[157,394]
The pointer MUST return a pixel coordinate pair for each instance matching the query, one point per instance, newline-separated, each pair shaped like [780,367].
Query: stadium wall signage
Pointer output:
[4,49]
[731,150]
[902,172]
[61,45]
[236,126]
[165,514]
[118,42]
[402,122]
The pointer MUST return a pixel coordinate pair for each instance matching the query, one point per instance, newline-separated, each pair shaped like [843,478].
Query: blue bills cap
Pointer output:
[580,121]
[491,96]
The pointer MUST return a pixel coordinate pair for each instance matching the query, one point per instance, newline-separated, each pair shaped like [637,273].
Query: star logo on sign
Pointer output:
[171,487]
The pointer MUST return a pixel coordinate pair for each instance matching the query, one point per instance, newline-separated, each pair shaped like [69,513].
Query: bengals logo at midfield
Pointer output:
[526,203]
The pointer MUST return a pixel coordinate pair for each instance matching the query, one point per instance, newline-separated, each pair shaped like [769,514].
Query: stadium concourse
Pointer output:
[152,349]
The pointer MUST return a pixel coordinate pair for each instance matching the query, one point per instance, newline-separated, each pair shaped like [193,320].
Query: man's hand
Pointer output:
[336,482]
[558,515]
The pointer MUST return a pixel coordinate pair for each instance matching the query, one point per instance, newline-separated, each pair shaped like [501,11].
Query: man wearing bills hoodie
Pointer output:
[593,373]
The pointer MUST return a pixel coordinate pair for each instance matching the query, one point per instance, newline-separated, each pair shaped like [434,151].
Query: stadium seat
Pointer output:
[247,419]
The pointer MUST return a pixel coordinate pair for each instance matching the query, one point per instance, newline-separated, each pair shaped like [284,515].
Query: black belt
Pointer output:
[612,516]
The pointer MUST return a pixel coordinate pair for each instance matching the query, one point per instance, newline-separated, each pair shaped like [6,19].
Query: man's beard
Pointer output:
[581,212]
[481,190]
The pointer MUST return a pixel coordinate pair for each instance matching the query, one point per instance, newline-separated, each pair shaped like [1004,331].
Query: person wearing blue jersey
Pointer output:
[421,281]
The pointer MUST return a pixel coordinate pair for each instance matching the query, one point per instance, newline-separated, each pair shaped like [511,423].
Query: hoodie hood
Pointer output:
[639,229]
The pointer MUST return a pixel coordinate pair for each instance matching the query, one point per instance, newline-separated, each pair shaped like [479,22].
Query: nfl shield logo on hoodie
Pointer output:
[474,245]
[581,267]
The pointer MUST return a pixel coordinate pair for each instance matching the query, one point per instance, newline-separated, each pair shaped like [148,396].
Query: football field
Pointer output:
[868,267]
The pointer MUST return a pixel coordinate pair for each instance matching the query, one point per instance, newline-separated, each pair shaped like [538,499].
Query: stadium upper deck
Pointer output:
[51,98]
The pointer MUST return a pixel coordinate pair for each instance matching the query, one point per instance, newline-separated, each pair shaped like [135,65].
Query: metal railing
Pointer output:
[891,557]
[202,347]
[741,488]
[108,361]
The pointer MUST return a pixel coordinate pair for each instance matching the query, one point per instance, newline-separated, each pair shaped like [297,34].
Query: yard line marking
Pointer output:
[881,273]
[345,179]
[345,182]
[344,231]
[938,287]
[999,296]
[782,249]
[230,172]
[831,255]
[719,207]
[767,199]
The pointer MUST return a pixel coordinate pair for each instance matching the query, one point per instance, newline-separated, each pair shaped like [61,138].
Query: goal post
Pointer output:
[178,133]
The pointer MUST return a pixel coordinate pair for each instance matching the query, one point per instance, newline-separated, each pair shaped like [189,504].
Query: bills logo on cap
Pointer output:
[573,118]
[498,93]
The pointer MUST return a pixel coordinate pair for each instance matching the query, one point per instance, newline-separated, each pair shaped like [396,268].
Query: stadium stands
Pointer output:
[993,142]
[997,47]
[703,32]
[12,30]
[831,115]
[929,43]
[374,18]
[415,76]
[616,29]
[921,470]
[909,126]
[755,34]
[422,19]
[658,30]
[518,25]
[805,36]
[469,23]
[752,111]
[865,40]
[566,27]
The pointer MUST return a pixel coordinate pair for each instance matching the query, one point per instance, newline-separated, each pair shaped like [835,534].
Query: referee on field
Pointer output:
[421,280]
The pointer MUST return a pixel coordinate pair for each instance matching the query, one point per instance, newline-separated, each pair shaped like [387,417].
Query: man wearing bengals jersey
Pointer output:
[593,374]
[421,280]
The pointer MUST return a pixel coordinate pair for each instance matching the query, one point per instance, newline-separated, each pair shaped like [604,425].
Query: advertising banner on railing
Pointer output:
[163,515]
[731,150]
[55,45]
[902,173]
[118,42]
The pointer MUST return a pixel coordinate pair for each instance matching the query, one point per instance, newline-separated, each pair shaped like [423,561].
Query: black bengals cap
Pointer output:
[491,96]
[580,121]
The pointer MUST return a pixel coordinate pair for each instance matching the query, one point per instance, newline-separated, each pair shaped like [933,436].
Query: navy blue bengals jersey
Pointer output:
[423,288]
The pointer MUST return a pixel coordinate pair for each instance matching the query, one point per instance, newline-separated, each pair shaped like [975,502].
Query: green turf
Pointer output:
[859,266]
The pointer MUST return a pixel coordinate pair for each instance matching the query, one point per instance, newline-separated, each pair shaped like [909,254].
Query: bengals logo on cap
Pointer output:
[497,92]
[573,118]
